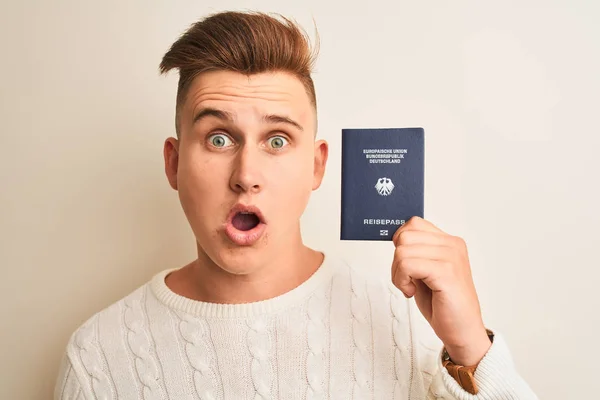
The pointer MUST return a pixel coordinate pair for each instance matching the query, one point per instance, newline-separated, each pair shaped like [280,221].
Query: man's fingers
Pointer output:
[423,298]
[417,224]
[420,237]
[425,251]
[408,270]
[402,280]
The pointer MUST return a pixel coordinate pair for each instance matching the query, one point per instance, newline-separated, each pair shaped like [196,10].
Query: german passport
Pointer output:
[383,177]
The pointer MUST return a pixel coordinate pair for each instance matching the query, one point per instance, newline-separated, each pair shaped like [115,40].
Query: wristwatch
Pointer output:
[465,376]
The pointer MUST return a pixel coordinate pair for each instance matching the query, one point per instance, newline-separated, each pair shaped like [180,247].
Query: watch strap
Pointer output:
[465,376]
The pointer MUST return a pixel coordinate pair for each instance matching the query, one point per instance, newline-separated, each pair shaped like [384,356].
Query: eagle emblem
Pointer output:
[384,186]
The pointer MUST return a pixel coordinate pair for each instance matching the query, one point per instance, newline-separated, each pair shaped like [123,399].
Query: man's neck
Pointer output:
[205,281]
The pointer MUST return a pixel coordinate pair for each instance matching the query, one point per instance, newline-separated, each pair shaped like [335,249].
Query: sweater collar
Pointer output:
[245,310]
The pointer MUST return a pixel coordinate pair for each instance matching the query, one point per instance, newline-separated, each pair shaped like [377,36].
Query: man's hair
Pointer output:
[244,42]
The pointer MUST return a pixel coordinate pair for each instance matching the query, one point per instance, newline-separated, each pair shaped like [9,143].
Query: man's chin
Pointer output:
[242,261]
[239,260]
[223,253]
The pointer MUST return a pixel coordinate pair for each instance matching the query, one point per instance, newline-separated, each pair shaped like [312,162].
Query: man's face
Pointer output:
[245,165]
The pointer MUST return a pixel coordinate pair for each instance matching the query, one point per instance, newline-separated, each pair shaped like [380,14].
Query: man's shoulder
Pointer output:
[98,345]
[111,322]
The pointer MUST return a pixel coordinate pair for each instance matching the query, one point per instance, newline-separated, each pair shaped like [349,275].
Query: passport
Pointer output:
[383,176]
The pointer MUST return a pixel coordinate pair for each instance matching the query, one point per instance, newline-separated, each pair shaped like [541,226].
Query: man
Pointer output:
[258,315]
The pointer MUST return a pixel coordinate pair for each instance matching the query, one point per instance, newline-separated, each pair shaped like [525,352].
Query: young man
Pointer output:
[258,315]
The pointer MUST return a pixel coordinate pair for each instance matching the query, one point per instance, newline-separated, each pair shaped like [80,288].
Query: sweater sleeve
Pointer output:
[68,386]
[496,378]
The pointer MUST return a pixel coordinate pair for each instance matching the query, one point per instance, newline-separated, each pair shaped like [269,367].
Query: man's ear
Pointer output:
[321,154]
[171,154]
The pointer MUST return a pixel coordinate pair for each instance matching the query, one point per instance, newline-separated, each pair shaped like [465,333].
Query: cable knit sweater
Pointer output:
[339,335]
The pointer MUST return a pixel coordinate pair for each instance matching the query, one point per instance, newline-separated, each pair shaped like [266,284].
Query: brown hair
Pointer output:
[245,42]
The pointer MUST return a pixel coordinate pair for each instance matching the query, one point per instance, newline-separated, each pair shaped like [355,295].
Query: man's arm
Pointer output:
[433,267]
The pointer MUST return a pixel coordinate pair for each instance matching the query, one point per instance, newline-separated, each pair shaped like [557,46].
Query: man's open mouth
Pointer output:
[245,217]
[244,221]
[245,225]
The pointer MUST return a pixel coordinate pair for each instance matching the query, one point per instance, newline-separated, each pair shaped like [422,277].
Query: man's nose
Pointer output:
[247,173]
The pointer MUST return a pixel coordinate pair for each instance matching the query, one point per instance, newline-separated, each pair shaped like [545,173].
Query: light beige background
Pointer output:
[508,94]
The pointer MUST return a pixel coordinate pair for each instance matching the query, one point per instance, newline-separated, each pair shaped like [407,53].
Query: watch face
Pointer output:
[445,356]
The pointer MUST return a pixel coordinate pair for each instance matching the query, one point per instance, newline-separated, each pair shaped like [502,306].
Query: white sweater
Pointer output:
[339,335]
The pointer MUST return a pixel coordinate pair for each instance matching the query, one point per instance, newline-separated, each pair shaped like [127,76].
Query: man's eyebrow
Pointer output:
[213,112]
[282,119]
[227,116]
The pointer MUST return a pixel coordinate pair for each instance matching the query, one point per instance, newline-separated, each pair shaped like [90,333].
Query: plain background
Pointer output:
[508,94]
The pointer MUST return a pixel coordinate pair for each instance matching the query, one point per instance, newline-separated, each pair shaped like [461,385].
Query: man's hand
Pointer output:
[433,266]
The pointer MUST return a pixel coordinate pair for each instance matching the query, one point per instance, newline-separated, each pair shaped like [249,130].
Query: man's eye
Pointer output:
[220,140]
[277,142]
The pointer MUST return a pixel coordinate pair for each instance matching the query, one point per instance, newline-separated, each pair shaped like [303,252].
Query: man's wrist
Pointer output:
[471,353]
[463,369]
